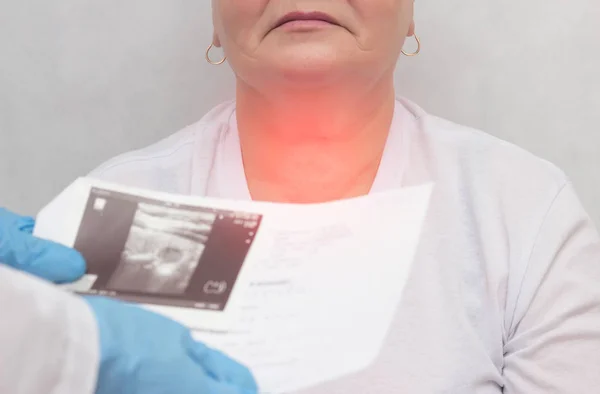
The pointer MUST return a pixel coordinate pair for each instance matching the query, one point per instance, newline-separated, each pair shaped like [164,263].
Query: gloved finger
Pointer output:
[220,367]
[42,258]
[10,221]
[201,383]
[159,378]
[26,224]
[214,386]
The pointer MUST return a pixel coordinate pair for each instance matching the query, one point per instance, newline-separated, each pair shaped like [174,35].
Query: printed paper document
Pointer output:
[301,294]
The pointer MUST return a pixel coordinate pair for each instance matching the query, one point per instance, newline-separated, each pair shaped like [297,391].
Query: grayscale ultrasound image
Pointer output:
[151,251]
[162,250]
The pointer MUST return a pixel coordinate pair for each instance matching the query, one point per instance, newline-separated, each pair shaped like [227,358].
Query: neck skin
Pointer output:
[317,146]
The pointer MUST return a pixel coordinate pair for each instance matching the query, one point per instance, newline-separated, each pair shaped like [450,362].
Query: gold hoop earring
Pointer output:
[209,60]
[415,53]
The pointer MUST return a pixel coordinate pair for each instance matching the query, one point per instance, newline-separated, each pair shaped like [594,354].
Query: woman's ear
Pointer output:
[411,29]
[216,40]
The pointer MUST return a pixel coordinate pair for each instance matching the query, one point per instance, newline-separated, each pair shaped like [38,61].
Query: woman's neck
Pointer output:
[309,148]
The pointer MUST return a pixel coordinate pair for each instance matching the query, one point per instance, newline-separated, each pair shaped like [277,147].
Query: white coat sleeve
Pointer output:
[553,343]
[48,338]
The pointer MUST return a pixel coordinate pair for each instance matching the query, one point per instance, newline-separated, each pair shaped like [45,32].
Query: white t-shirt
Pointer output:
[504,295]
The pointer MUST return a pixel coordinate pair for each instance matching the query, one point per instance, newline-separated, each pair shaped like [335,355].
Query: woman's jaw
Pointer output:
[279,47]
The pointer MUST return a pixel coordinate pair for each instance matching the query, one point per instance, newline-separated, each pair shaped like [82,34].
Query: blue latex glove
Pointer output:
[45,259]
[146,353]
[141,352]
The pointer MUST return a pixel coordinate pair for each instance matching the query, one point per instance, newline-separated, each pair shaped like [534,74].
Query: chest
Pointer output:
[447,335]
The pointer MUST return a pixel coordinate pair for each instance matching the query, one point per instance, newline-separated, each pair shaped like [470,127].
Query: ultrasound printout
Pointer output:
[158,252]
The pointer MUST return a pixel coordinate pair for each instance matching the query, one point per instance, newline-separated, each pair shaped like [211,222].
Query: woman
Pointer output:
[503,295]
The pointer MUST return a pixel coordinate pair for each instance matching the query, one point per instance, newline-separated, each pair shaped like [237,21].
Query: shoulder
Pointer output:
[478,158]
[170,159]
[524,241]
[498,193]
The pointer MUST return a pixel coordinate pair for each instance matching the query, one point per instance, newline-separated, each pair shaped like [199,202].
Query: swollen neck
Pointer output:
[313,148]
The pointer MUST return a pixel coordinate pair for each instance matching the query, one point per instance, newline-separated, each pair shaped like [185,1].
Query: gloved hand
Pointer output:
[45,259]
[146,353]
[141,352]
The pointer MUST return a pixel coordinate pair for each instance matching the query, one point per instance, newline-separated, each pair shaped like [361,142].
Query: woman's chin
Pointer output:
[310,67]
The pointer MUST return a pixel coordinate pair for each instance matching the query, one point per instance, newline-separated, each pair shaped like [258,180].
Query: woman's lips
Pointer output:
[305,21]
[305,25]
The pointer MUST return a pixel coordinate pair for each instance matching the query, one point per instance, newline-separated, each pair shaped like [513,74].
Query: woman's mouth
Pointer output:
[305,21]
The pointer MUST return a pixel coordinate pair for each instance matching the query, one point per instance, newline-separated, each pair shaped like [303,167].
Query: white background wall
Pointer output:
[82,80]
